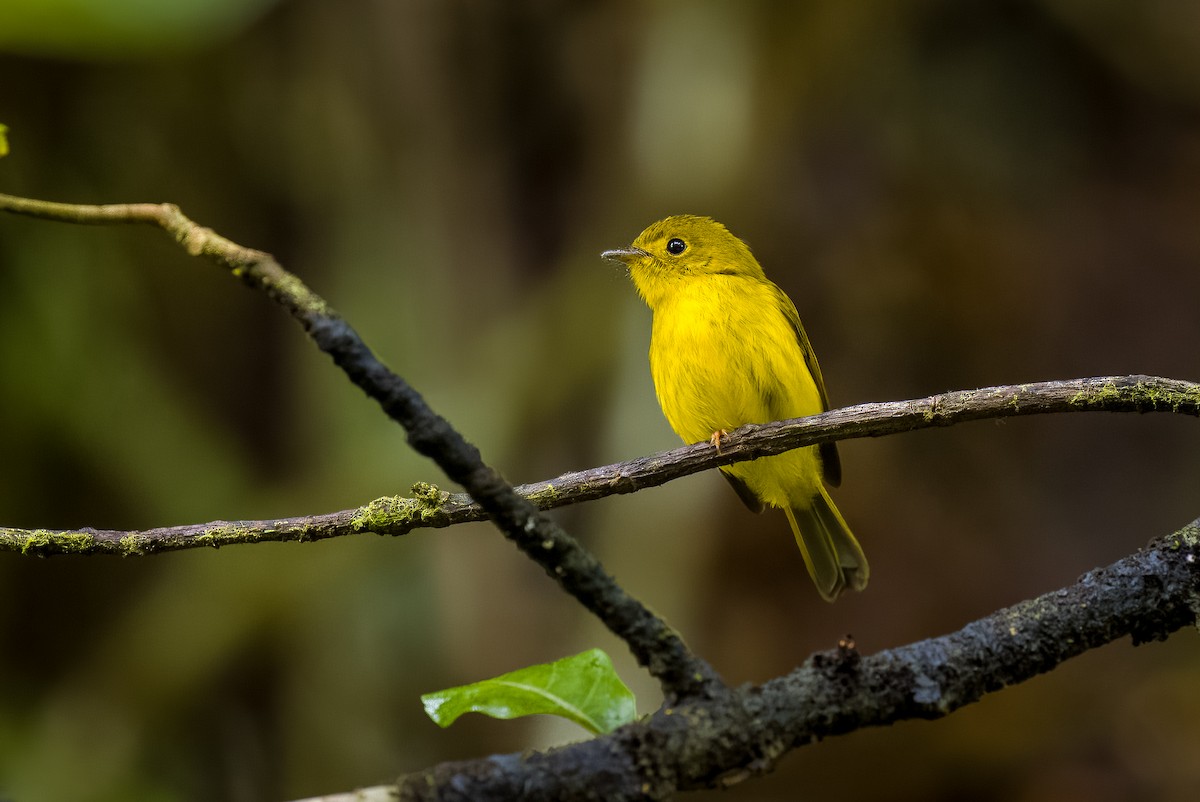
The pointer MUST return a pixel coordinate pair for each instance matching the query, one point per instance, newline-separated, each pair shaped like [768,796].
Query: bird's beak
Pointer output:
[625,256]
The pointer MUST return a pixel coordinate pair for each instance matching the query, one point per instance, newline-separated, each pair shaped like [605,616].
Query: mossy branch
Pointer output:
[431,507]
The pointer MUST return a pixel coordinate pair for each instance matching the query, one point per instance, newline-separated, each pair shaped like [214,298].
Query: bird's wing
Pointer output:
[810,359]
[830,460]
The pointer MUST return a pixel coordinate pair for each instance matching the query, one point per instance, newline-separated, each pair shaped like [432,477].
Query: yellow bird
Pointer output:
[727,349]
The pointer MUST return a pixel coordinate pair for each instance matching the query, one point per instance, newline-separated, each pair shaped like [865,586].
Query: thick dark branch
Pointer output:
[652,641]
[430,507]
[707,743]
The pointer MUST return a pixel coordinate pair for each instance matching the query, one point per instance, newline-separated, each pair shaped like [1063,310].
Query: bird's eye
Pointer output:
[676,246]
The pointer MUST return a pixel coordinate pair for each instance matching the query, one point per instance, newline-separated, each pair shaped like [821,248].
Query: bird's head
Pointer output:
[683,248]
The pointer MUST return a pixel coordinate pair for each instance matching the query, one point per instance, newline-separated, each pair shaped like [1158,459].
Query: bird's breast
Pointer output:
[721,360]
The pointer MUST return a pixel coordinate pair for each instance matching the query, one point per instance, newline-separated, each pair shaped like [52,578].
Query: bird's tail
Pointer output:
[834,559]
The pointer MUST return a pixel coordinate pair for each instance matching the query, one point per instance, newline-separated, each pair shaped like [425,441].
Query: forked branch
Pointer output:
[655,645]
[705,734]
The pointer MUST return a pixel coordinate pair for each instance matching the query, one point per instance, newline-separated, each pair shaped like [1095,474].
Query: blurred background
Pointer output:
[956,194]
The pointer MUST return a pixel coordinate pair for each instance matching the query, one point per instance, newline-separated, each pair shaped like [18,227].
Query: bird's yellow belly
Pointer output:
[715,370]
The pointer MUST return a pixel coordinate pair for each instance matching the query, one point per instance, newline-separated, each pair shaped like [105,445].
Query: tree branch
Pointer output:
[705,734]
[655,645]
[722,742]
[431,507]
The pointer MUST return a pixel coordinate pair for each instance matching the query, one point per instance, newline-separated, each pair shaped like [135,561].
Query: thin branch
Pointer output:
[655,645]
[716,743]
[430,507]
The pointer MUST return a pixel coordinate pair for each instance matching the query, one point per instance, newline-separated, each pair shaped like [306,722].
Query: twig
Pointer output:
[655,645]
[430,507]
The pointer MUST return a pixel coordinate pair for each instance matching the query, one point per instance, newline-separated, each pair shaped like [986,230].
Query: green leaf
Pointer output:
[3,140]
[583,688]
